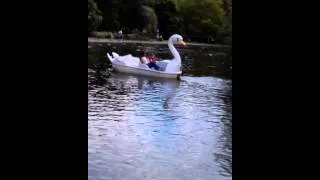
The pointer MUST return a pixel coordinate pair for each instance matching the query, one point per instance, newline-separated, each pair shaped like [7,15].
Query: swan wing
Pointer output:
[162,64]
[169,65]
[129,60]
[115,54]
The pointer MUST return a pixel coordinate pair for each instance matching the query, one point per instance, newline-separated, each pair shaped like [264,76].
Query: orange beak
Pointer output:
[181,42]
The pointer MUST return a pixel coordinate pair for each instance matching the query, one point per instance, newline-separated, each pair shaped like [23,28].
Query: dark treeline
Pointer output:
[194,19]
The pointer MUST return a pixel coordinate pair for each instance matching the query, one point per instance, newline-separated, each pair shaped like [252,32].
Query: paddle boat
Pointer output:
[167,68]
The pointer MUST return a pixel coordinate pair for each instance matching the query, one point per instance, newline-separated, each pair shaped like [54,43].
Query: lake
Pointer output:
[148,128]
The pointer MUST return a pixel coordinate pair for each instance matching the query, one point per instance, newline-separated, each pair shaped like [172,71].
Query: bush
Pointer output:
[104,34]
[136,36]
[149,19]
[224,34]
[227,41]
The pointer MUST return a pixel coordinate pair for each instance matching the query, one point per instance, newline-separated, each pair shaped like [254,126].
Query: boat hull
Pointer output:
[144,72]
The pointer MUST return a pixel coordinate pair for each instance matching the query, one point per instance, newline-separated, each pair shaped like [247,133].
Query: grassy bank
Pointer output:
[132,36]
[109,37]
[106,40]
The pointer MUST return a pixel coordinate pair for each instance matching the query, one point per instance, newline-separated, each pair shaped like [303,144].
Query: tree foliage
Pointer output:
[110,9]
[169,18]
[186,17]
[225,32]
[148,19]
[202,17]
[94,16]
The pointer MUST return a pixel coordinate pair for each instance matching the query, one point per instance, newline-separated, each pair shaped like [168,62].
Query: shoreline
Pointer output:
[165,42]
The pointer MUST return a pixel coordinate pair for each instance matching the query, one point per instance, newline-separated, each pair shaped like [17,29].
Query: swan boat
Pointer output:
[167,68]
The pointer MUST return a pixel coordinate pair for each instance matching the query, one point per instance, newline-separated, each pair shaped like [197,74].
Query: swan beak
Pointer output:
[181,42]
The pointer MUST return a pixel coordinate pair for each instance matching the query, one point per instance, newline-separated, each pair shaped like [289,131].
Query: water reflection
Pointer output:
[147,128]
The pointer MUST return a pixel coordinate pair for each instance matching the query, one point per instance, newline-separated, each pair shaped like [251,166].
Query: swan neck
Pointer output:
[174,52]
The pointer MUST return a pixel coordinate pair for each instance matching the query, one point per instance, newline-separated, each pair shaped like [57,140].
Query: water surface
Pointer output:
[149,128]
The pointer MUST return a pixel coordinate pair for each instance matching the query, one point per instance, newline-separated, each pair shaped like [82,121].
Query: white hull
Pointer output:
[143,71]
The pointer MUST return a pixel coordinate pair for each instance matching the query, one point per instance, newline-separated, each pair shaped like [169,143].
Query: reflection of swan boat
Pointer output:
[168,68]
[146,83]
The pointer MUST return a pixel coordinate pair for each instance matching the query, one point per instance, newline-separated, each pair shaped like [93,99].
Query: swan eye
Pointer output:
[177,39]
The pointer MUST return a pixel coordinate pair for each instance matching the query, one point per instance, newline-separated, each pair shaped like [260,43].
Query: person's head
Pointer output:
[142,53]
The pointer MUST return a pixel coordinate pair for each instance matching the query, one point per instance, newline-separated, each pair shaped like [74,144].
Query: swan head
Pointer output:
[177,39]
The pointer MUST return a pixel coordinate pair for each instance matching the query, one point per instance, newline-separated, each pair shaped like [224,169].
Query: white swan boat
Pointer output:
[168,68]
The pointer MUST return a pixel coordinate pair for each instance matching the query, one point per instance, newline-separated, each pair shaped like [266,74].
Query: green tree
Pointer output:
[227,6]
[149,19]
[150,3]
[169,18]
[224,34]
[203,17]
[186,17]
[130,15]
[110,9]
[94,16]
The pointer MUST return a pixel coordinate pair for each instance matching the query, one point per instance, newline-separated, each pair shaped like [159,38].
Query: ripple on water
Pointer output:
[161,130]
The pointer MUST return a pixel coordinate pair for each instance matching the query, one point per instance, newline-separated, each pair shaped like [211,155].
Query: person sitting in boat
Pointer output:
[145,60]
[152,58]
